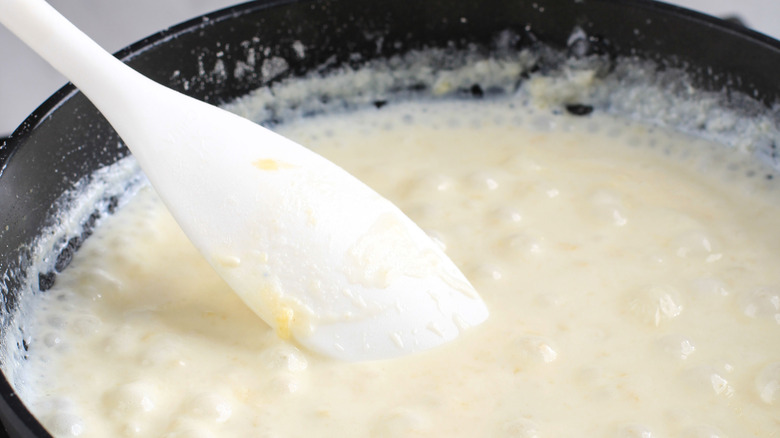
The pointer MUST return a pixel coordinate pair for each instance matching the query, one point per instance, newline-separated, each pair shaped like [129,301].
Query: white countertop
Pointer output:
[26,80]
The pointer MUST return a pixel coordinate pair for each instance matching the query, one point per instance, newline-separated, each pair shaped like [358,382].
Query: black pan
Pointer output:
[66,139]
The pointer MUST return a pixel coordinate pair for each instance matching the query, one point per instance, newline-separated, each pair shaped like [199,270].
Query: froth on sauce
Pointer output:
[631,275]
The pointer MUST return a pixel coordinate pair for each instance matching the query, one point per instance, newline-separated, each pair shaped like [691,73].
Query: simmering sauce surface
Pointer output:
[631,274]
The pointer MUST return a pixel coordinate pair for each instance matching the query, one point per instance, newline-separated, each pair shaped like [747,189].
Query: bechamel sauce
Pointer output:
[631,275]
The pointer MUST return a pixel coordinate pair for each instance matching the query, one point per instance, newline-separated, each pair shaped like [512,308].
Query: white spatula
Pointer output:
[314,252]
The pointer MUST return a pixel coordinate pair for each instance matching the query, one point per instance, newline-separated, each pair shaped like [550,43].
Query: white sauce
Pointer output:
[631,274]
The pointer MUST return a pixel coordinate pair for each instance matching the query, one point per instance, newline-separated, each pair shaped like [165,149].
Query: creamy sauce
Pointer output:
[631,274]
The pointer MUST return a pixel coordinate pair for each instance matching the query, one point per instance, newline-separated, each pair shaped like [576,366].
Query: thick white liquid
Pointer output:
[631,274]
